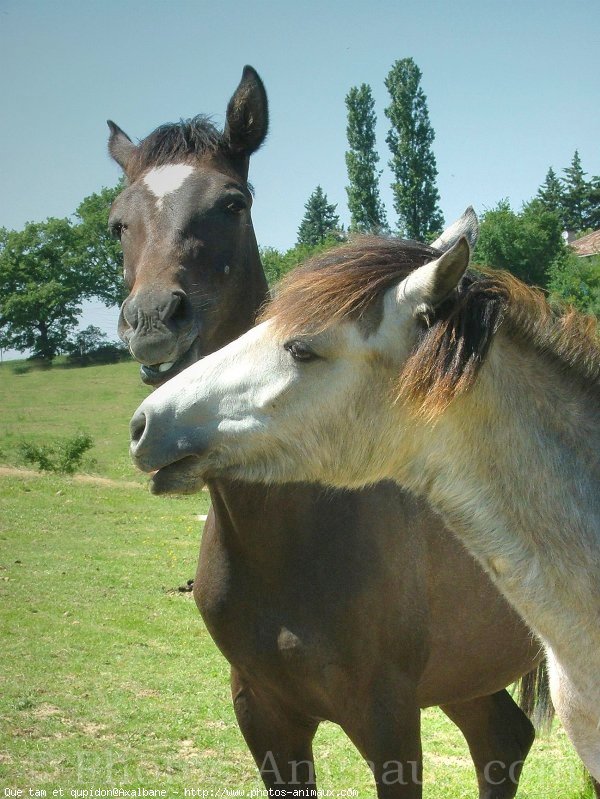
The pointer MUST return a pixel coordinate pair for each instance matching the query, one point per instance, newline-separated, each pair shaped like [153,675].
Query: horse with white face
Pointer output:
[392,618]
[465,387]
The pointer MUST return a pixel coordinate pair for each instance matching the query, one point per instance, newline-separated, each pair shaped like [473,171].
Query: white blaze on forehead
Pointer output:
[165,180]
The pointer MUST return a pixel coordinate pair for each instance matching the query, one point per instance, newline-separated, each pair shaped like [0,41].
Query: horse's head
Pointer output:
[191,262]
[309,394]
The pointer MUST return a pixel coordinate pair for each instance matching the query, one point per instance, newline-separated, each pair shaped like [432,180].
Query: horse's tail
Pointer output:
[534,697]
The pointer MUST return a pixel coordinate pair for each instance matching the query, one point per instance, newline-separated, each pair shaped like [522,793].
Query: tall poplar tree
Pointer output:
[367,213]
[410,139]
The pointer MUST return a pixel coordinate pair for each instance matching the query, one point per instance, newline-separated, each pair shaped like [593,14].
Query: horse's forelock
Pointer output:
[343,283]
[346,282]
[174,143]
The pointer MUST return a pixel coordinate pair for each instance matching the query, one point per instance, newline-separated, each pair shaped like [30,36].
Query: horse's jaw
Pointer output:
[156,374]
[182,477]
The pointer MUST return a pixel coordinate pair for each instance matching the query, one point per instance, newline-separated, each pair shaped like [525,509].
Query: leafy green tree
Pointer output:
[277,264]
[40,287]
[576,198]
[410,139]
[577,281]
[550,193]
[367,212]
[320,221]
[527,244]
[99,253]
[85,341]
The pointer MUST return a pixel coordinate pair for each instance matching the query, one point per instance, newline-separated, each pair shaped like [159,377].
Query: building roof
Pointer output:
[587,245]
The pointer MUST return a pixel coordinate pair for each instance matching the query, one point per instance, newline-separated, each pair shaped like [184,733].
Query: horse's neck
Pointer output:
[239,507]
[247,299]
[262,524]
[517,480]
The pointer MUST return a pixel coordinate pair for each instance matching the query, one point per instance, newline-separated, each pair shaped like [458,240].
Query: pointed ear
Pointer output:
[120,146]
[467,225]
[247,115]
[431,284]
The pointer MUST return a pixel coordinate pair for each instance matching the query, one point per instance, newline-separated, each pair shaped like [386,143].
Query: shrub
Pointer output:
[577,281]
[62,456]
[107,353]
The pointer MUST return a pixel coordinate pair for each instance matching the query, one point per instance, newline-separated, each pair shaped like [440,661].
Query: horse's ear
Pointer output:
[431,284]
[120,145]
[467,225]
[247,115]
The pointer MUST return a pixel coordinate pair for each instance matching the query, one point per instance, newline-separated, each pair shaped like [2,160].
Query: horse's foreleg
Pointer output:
[499,736]
[384,725]
[280,745]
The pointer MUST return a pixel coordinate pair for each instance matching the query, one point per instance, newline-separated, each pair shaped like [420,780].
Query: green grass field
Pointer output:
[108,676]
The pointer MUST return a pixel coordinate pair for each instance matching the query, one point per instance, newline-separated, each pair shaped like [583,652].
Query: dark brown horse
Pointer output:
[321,603]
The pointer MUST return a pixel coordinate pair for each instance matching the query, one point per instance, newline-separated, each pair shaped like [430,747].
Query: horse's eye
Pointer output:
[299,351]
[116,229]
[235,205]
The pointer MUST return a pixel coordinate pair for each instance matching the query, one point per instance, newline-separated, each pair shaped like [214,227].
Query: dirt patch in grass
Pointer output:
[44,711]
[16,471]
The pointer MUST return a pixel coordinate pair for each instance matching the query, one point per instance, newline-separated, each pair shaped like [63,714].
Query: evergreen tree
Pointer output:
[320,221]
[593,217]
[550,193]
[416,198]
[367,213]
[576,200]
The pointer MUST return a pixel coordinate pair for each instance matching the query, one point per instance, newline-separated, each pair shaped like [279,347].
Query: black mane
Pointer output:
[176,141]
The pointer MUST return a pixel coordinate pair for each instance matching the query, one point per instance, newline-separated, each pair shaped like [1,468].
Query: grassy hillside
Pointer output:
[43,405]
[109,678]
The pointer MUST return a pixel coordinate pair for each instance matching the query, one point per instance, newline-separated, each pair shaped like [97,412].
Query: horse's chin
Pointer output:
[182,477]
[156,374]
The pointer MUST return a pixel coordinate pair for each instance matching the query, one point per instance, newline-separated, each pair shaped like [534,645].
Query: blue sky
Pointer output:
[512,88]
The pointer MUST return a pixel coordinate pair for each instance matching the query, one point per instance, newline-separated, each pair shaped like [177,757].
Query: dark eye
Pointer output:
[117,229]
[235,204]
[300,351]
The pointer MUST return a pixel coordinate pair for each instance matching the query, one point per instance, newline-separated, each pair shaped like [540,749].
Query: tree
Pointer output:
[367,213]
[593,220]
[85,341]
[320,220]
[550,193]
[576,199]
[99,253]
[40,287]
[528,244]
[410,140]
[577,281]
[277,264]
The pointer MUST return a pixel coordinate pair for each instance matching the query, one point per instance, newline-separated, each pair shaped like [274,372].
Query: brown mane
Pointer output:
[346,282]
[343,283]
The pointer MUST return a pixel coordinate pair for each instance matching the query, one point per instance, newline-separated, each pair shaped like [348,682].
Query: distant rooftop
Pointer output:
[587,245]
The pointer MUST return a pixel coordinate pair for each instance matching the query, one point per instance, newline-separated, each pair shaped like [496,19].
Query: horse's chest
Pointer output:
[252,624]
[278,635]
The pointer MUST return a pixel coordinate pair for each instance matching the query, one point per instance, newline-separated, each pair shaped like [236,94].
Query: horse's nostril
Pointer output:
[173,307]
[181,311]
[137,427]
